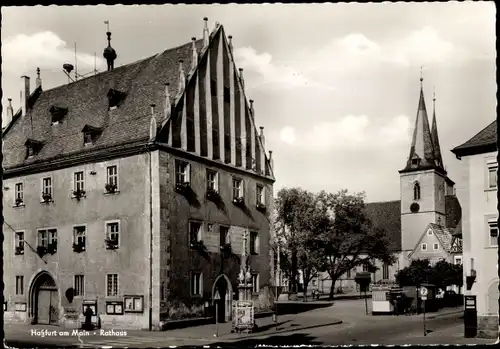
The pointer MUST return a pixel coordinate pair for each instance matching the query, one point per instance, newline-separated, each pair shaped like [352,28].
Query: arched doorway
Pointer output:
[44,300]
[223,287]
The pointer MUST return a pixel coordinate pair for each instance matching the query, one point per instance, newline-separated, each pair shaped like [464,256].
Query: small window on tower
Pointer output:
[416,191]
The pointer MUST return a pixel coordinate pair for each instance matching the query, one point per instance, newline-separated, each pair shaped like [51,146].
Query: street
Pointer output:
[356,328]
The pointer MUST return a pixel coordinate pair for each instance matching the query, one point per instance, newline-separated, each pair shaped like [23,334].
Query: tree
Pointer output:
[296,216]
[345,237]
[419,272]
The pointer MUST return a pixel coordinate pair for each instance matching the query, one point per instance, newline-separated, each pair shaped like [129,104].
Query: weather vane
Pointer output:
[421,73]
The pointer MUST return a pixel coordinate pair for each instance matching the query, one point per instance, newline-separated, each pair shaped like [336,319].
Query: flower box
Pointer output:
[52,248]
[19,250]
[78,194]
[41,250]
[111,244]
[239,201]
[111,188]
[182,186]
[19,202]
[46,197]
[78,248]
[212,194]
[261,206]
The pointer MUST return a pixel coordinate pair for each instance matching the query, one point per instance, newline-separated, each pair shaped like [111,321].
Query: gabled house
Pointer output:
[132,191]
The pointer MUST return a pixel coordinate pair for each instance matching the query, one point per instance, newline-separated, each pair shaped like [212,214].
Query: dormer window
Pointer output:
[33,147]
[115,98]
[415,161]
[90,134]
[57,114]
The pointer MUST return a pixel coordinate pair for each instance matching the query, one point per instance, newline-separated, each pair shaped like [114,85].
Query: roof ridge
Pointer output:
[381,202]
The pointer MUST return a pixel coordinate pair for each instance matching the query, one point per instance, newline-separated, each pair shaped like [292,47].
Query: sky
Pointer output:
[335,86]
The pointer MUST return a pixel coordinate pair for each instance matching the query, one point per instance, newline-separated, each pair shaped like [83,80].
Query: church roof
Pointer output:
[423,155]
[387,216]
[483,142]
[435,137]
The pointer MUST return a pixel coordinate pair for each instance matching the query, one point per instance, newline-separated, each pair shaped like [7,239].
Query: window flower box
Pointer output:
[52,248]
[78,194]
[181,187]
[78,248]
[111,244]
[212,194]
[199,246]
[19,201]
[46,197]
[239,201]
[19,250]
[110,188]
[41,250]
[261,206]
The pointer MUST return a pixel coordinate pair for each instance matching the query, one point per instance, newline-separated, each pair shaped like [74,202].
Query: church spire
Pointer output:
[434,134]
[421,151]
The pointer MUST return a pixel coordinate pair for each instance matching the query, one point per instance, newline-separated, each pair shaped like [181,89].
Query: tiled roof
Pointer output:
[444,235]
[387,216]
[486,139]
[87,103]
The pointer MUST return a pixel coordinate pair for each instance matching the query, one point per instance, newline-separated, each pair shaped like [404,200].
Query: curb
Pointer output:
[293,329]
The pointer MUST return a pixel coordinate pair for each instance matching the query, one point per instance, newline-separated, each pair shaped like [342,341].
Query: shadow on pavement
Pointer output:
[268,327]
[286,308]
[292,339]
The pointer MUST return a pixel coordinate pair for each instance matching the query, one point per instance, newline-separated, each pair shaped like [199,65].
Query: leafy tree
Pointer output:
[419,272]
[297,213]
[345,237]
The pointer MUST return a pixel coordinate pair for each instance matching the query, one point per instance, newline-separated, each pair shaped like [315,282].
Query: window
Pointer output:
[79,182]
[210,227]
[415,161]
[196,284]
[254,242]
[48,239]
[348,275]
[493,227]
[213,180]
[79,237]
[424,247]
[87,138]
[436,247]
[237,188]
[182,175]
[224,236]
[79,285]
[112,285]
[19,285]
[112,176]
[113,234]
[429,232]
[385,271]
[261,201]
[255,283]
[416,191]
[194,232]
[19,194]
[47,189]
[19,243]
[365,267]
[458,260]
[492,176]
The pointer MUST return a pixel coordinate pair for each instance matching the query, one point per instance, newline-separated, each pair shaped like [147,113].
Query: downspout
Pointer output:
[150,243]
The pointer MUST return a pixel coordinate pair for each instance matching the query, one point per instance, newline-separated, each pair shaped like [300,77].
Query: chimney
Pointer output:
[262,137]
[182,77]
[10,113]
[230,40]
[168,106]
[271,161]
[205,33]
[152,127]
[25,93]
[38,79]
[242,79]
[194,62]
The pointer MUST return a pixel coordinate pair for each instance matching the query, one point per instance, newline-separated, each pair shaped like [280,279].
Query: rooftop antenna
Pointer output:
[76,67]
[95,64]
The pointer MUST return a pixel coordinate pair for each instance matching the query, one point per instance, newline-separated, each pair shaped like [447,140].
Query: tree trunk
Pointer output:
[293,279]
[332,289]
[306,283]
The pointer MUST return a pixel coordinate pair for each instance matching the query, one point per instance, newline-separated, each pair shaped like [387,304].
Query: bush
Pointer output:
[177,310]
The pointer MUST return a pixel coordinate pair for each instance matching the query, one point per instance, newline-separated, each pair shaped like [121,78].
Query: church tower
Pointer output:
[424,181]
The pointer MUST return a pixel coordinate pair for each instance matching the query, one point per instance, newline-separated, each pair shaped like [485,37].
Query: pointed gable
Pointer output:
[422,152]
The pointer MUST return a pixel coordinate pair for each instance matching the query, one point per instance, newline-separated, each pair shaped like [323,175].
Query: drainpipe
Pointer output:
[150,243]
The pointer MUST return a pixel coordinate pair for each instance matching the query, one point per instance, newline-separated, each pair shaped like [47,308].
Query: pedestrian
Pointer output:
[88,319]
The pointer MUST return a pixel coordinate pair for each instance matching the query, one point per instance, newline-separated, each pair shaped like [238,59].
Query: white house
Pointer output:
[477,191]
